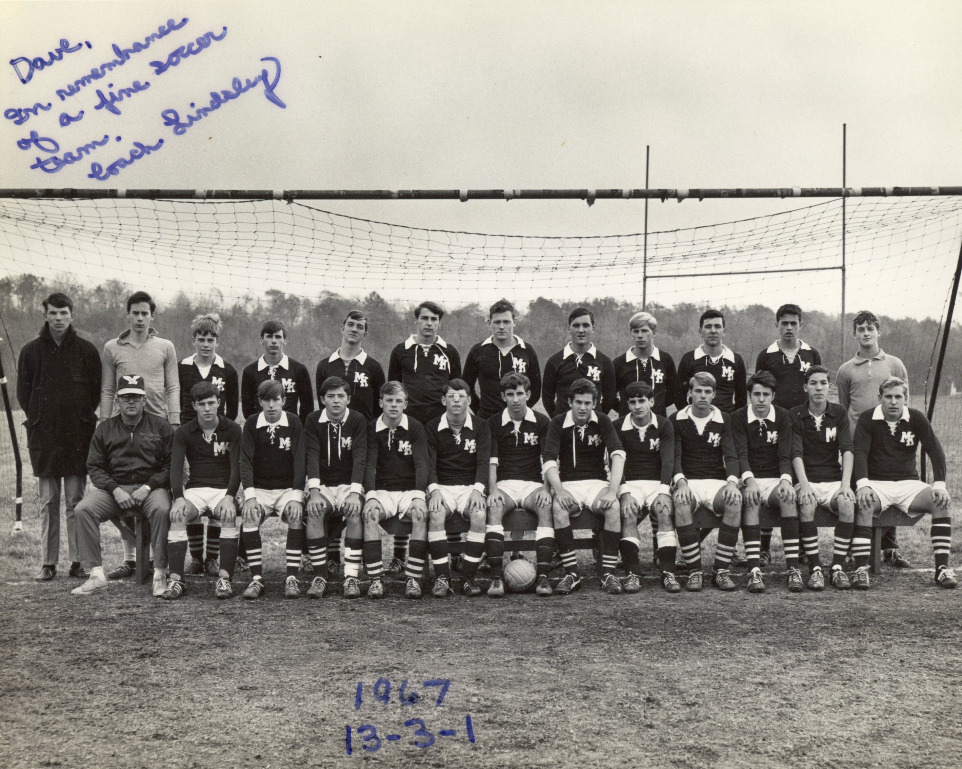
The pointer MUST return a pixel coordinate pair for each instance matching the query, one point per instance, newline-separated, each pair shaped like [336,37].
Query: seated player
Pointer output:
[649,442]
[272,471]
[820,434]
[706,475]
[763,441]
[887,439]
[515,480]
[211,445]
[459,451]
[335,438]
[395,478]
[579,477]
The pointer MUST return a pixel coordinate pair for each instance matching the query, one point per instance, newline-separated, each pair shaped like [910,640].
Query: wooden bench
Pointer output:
[134,523]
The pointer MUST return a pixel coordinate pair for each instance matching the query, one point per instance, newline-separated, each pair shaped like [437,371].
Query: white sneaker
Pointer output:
[93,585]
[160,584]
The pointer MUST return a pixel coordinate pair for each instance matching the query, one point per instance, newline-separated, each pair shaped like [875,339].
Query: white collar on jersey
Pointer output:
[567,351]
[443,424]
[218,361]
[518,341]
[714,416]
[323,417]
[627,424]
[412,340]
[380,425]
[773,347]
[262,421]
[528,417]
[879,414]
[569,420]
[701,352]
[284,363]
[769,417]
[361,357]
[630,355]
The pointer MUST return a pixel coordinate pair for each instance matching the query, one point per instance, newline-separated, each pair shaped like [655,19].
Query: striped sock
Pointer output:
[252,546]
[417,555]
[473,551]
[438,548]
[861,545]
[494,545]
[809,533]
[295,546]
[212,552]
[941,535]
[842,542]
[352,557]
[195,541]
[630,548]
[227,551]
[317,550]
[766,539]
[725,549]
[544,543]
[372,558]
[790,541]
[751,536]
[401,546]
[688,540]
[566,546]
[176,552]
[609,550]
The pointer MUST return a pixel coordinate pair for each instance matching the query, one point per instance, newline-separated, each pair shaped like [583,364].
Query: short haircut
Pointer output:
[432,307]
[203,390]
[812,370]
[763,378]
[502,305]
[640,319]
[392,387]
[141,296]
[458,385]
[583,387]
[788,309]
[356,315]
[513,380]
[272,327]
[206,325]
[269,389]
[708,315]
[701,379]
[865,316]
[891,382]
[59,301]
[577,312]
[333,383]
[639,390]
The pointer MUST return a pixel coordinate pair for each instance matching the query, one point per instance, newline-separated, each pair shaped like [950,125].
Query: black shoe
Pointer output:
[46,574]
[894,558]
[78,572]
[126,569]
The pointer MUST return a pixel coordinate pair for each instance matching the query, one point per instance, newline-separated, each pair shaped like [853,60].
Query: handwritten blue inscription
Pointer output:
[20,115]
[381,691]
[55,163]
[123,56]
[39,63]
[182,52]
[109,101]
[422,737]
[220,98]
[139,150]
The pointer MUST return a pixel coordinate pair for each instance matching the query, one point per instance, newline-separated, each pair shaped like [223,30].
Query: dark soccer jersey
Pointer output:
[363,375]
[706,454]
[580,452]
[460,459]
[818,441]
[272,455]
[728,370]
[485,365]
[221,374]
[649,450]
[397,459]
[764,446]
[213,463]
[336,452]
[293,376]
[788,373]
[425,371]
[658,371]
[565,366]
[886,452]
[516,448]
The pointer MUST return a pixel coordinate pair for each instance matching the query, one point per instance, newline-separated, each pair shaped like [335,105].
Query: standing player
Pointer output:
[576,469]
[887,439]
[706,474]
[579,359]
[275,365]
[763,441]
[515,480]
[820,435]
[211,445]
[713,356]
[501,353]
[395,478]
[643,362]
[336,441]
[272,471]
[649,443]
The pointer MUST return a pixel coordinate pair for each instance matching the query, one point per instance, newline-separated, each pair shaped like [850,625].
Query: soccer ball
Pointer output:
[519,575]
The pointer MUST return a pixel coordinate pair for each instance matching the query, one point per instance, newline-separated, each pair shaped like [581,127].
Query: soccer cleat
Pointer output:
[457,562]
[224,589]
[395,568]
[543,586]
[376,589]
[175,589]
[569,583]
[292,588]
[611,585]
[683,567]
[669,582]
[317,588]
[412,588]
[91,586]
[795,582]
[722,579]
[212,567]
[470,588]
[442,586]
[159,585]
[193,567]
[241,565]
[764,559]
[126,569]
[860,580]
[556,562]
[333,570]
[840,579]
[78,572]
[816,580]
[352,588]
[46,574]
[755,583]
[254,590]
[632,584]
[739,561]
[894,558]
[695,582]
[496,588]
[945,577]
[306,566]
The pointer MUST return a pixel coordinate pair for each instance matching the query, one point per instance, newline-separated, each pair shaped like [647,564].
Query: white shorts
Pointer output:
[585,492]
[898,494]
[765,487]
[336,496]
[394,502]
[519,491]
[205,498]
[705,491]
[275,500]
[455,498]
[824,492]
[644,492]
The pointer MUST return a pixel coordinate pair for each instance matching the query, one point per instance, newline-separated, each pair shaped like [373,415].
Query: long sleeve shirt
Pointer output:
[789,373]
[704,447]
[336,451]
[580,452]
[658,371]
[131,456]
[728,370]
[763,444]
[272,454]
[397,457]
[294,378]
[486,364]
[565,366]
[220,374]
[516,446]
[155,360]
[213,463]
[425,371]
[459,458]
[364,377]
[886,451]
[818,441]
[649,450]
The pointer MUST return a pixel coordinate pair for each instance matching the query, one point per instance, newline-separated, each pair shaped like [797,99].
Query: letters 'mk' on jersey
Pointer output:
[886,451]
[516,446]
[293,376]
[397,458]
[424,370]
[764,446]
[728,370]
[458,459]
[818,441]
[580,451]
[658,371]
[272,455]
[649,450]
[486,365]
[789,373]
[221,374]
[214,463]
[364,377]
[707,451]
[336,452]
[565,366]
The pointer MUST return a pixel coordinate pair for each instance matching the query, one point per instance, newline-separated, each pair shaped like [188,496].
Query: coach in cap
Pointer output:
[129,467]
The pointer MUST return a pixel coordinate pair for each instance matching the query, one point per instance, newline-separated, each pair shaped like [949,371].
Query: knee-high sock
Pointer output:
[352,557]
[544,544]
[228,550]
[842,542]
[317,549]
[195,541]
[417,555]
[690,545]
[438,548]
[630,547]
[609,550]
[941,535]
[333,545]
[372,558]
[862,545]
[212,550]
[790,541]
[766,539]
[401,546]
[295,546]
[494,545]
[473,551]
[176,552]
[566,547]
[751,535]
[809,533]
[252,545]
[727,540]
